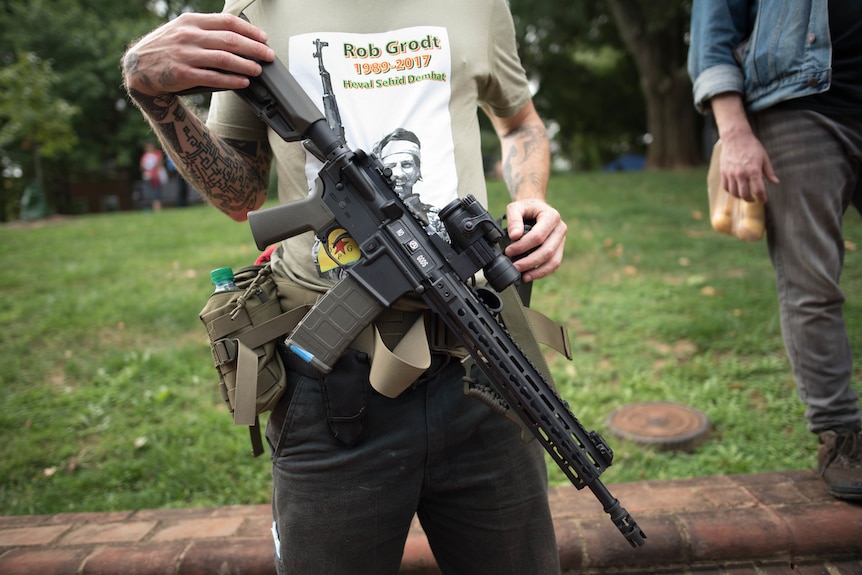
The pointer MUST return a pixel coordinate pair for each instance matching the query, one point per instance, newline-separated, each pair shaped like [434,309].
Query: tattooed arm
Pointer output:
[526,169]
[202,50]
[232,175]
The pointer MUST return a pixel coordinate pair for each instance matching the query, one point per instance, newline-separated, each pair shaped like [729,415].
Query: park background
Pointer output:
[609,79]
[110,400]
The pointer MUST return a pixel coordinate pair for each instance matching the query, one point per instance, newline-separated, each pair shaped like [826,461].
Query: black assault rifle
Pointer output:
[399,257]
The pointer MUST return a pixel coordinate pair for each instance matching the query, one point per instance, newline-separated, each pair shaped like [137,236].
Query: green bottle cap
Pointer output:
[221,275]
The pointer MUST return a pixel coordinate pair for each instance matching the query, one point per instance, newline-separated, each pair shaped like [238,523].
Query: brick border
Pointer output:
[762,523]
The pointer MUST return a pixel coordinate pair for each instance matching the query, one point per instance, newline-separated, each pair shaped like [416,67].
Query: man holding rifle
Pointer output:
[346,506]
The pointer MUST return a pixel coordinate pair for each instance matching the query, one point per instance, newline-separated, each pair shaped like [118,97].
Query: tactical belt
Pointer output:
[400,343]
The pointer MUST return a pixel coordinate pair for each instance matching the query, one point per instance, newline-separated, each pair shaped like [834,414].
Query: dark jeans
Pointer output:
[819,163]
[479,492]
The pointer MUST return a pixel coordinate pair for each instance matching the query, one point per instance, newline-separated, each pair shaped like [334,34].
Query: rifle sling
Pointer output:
[395,367]
[529,327]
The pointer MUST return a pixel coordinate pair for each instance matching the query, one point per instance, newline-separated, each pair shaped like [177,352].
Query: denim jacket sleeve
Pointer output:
[718,28]
[768,51]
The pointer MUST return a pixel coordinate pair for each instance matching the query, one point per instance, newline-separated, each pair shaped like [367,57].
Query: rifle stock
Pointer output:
[353,190]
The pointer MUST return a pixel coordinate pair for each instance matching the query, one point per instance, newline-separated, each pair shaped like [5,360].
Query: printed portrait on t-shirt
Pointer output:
[387,93]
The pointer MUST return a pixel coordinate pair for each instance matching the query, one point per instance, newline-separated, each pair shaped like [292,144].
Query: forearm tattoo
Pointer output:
[519,171]
[232,175]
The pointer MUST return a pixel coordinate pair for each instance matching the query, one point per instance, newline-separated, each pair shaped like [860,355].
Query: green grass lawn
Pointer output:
[110,399]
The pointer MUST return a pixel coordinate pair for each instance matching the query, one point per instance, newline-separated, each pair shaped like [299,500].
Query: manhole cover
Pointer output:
[662,424]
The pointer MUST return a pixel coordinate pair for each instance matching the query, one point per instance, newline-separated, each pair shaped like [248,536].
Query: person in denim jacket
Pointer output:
[783,80]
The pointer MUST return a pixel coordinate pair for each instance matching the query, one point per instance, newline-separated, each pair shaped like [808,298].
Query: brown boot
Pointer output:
[839,457]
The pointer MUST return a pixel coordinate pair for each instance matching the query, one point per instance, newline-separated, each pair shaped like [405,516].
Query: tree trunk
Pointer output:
[671,121]
[657,46]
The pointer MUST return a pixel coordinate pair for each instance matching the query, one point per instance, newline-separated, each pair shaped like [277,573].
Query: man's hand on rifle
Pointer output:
[215,51]
[547,236]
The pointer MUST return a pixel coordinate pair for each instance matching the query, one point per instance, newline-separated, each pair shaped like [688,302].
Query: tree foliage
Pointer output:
[30,112]
[31,115]
[84,53]
[607,72]
[611,75]
[586,83]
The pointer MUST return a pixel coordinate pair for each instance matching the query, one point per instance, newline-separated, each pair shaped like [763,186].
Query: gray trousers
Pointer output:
[478,490]
[819,163]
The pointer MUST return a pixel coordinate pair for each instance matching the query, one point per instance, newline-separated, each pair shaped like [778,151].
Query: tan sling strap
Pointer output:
[529,327]
[394,370]
[549,332]
[246,395]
